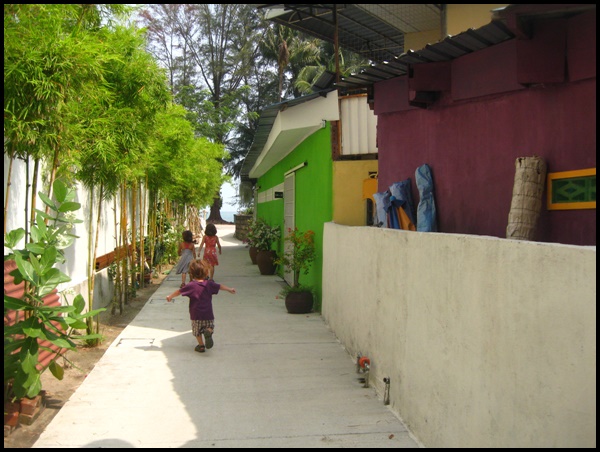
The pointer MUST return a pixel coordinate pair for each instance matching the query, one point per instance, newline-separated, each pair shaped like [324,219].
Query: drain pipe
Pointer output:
[386,392]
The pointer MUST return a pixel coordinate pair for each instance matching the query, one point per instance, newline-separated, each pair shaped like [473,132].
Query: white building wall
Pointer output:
[359,126]
[77,257]
[487,342]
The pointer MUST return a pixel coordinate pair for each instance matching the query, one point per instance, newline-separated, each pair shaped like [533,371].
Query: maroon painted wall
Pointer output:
[472,149]
[471,144]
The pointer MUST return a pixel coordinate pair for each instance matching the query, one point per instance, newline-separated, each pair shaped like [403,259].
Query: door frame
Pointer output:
[289,217]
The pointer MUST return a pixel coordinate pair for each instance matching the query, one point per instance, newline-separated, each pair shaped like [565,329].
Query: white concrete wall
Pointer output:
[487,342]
[77,257]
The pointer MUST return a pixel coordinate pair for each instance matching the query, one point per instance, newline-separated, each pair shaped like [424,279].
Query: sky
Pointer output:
[228,192]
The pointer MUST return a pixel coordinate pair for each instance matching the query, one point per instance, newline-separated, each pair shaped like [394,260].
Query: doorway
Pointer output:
[289,221]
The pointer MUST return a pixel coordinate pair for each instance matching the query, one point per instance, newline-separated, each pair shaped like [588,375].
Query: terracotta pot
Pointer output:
[264,260]
[253,252]
[299,302]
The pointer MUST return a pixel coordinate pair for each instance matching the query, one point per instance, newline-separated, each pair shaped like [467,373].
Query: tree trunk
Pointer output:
[215,211]
[7,190]
[52,177]
[142,198]
[93,323]
[152,225]
[124,243]
[134,253]
[36,168]
[116,281]
[27,186]
[91,282]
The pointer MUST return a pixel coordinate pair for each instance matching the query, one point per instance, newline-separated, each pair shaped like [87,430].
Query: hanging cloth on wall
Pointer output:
[402,192]
[382,205]
[405,221]
[393,215]
[426,213]
[398,215]
[391,212]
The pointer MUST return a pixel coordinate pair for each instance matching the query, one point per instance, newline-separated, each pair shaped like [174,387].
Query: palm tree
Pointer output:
[291,51]
[349,63]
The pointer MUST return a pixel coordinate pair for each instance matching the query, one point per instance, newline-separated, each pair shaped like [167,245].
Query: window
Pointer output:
[568,190]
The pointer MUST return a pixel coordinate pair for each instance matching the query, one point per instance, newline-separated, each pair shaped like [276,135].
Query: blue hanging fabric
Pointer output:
[392,213]
[402,192]
[426,213]
[402,220]
[382,205]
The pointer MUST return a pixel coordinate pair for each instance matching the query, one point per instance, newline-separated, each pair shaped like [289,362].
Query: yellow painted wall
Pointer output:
[349,208]
[460,18]
[417,41]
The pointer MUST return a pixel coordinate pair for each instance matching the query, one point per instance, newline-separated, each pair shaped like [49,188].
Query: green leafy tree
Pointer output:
[217,47]
[263,236]
[174,168]
[300,253]
[349,63]
[177,156]
[52,58]
[113,141]
[262,82]
[291,51]
[59,60]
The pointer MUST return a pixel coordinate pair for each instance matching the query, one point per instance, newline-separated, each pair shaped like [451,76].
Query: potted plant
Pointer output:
[297,259]
[251,237]
[264,237]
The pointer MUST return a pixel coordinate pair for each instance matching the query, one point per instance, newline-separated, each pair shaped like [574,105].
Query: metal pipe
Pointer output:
[386,392]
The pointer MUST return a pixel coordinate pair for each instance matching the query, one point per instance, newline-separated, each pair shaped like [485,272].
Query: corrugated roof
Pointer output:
[365,29]
[450,48]
[377,31]
[374,31]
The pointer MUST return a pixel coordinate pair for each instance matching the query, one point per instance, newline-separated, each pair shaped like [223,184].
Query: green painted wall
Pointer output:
[313,197]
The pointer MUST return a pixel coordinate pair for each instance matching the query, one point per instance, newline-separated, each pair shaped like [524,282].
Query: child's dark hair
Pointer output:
[199,269]
[188,236]
[211,230]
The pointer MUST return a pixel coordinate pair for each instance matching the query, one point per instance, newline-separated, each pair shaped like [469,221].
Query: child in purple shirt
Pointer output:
[200,292]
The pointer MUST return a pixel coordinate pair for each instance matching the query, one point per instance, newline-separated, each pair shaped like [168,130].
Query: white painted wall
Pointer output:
[487,342]
[77,258]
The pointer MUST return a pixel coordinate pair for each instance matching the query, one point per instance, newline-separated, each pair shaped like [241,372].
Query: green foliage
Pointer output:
[171,241]
[294,289]
[216,78]
[300,255]
[51,57]
[36,268]
[247,210]
[261,235]
[349,63]
[187,169]
[252,235]
[113,134]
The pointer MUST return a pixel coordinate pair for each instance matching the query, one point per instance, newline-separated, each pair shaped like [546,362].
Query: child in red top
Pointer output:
[200,292]
[211,241]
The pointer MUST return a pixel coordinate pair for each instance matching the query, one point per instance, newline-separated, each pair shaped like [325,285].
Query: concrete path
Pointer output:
[272,379]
